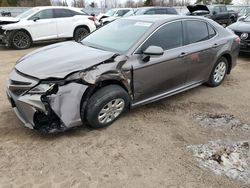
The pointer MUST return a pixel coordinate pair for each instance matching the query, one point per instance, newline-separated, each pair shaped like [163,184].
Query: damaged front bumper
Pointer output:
[48,112]
[3,38]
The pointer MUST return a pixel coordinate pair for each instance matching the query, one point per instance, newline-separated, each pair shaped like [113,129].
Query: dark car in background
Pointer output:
[218,13]
[93,82]
[151,11]
[242,29]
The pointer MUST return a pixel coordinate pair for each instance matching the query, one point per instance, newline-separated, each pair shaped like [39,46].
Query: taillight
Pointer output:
[93,18]
[237,40]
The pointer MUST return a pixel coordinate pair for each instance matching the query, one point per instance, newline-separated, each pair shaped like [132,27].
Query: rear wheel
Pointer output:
[80,33]
[20,40]
[218,73]
[106,105]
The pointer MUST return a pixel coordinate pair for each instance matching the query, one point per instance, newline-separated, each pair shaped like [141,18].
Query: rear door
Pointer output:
[161,74]
[200,51]
[65,22]
[43,25]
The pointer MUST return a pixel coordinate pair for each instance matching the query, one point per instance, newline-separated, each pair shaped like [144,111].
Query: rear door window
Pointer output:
[63,13]
[171,11]
[160,11]
[168,37]
[196,31]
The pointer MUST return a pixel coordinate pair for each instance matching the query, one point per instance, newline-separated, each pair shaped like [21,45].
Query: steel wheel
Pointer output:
[220,72]
[111,111]
[21,40]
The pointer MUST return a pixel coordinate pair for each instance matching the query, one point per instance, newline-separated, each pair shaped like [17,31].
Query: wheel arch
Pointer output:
[79,26]
[24,30]
[94,88]
[229,60]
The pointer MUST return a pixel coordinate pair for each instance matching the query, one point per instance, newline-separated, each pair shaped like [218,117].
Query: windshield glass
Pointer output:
[117,36]
[130,13]
[140,11]
[27,13]
[110,12]
[247,19]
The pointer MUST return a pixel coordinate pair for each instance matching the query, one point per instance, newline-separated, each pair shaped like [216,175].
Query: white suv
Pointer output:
[44,23]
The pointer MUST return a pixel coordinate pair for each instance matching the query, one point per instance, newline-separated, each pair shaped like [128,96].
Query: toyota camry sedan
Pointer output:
[127,63]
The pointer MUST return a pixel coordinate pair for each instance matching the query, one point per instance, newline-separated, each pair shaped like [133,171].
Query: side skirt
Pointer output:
[166,94]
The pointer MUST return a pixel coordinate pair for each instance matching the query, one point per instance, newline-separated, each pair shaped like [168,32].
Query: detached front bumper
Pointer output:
[54,112]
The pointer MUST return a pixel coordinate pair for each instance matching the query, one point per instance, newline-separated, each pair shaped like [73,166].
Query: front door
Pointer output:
[164,73]
[43,25]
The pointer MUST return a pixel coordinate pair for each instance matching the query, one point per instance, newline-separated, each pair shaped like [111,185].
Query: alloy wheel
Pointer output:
[219,72]
[111,111]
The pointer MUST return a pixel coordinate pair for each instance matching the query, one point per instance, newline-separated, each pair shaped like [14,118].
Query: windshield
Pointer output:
[117,36]
[130,13]
[247,19]
[110,12]
[140,11]
[27,13]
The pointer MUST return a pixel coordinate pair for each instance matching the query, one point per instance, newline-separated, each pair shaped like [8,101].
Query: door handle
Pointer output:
[183,54]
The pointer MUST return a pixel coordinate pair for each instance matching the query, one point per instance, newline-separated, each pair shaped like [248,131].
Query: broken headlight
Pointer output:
[41,89]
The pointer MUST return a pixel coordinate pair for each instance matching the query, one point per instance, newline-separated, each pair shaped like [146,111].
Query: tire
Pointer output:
[106,105]
[231,21]
[20,40]
[218,73]
[80,33]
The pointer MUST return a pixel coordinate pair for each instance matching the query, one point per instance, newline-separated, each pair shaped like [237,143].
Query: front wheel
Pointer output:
[218,73]
[20,40]
[106,105]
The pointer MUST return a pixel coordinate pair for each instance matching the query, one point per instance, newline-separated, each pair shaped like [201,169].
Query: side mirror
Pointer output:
[214,12]
[35,19]
[152,51]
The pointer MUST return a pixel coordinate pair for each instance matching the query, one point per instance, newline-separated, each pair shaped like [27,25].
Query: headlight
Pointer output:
[75,76]
[41,89]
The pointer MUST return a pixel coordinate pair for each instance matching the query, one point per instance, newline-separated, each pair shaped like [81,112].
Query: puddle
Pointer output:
[220,120]
[230,159]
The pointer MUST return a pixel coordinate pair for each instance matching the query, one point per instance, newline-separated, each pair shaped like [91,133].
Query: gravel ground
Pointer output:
[147,147]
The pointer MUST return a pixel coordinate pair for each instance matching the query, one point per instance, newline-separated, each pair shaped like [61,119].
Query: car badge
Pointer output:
[244,36]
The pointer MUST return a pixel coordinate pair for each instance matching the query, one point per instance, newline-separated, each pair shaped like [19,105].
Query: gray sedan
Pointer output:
[127,63]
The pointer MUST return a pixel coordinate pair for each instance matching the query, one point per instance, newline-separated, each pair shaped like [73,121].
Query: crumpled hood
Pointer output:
[193,8]
[240,26]
[59,60]
[8,20]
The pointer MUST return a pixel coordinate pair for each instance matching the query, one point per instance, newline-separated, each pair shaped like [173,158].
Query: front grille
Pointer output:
[19,84]
[240,33]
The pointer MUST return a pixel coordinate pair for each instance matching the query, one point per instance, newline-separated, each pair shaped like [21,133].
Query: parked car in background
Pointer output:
[243,13]
[44,23]
[151,11]
[242,29]
[69,84]
[218,13]
[112,15]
